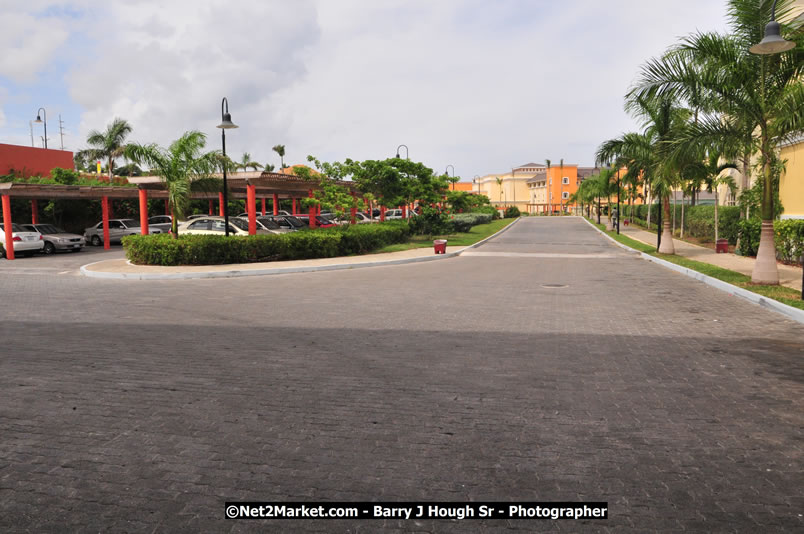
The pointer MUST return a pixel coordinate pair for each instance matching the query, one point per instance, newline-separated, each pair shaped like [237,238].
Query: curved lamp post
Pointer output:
[407,152]
[772,43]
[226,124]
[446,171]
[39,120]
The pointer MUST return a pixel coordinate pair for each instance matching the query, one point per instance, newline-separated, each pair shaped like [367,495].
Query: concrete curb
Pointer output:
[276,270]
[769,304]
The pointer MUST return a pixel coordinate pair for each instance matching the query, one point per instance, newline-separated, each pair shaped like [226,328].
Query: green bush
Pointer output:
[490,210]
[161,249]
[789,237]
[463,222]
[431,221]
[699,221]
[511,212]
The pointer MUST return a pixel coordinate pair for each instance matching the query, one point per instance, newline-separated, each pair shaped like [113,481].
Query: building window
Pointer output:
[565,195]
[565,180]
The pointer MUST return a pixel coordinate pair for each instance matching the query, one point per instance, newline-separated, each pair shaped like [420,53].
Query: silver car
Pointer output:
[163,223]
[118,228]
[56,239]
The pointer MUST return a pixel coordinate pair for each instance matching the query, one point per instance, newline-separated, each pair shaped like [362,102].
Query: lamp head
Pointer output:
[227,123]
[772,43]
[38,119]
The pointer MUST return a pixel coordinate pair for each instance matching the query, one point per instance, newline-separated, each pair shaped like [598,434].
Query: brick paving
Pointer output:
[131,406]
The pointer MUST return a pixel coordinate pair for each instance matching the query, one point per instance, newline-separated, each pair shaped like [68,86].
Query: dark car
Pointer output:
[56,239]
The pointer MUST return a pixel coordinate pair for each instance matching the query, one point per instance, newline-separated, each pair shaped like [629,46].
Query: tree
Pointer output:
[710,172]
[762,95]
[500,183]
[183,168]
[108,145]
[280,149]
[246,163]
[268,167]
[550,204]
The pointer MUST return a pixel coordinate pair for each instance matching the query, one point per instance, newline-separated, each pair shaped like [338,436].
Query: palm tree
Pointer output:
[268,167]
[549,188]
[108,145]
[763,95]
[710,172]
[280,149]
[500,183]
[246,163]
[183,168]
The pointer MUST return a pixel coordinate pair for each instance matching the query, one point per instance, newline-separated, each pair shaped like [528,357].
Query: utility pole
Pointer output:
[61,131]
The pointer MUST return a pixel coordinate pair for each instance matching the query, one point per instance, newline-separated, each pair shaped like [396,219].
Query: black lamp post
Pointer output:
[772,43]
[618,201]
[446,171]
[39,120]
[407,152]
[226,123]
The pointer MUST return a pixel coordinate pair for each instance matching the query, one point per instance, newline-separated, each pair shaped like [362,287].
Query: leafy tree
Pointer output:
[247,163]
[183,167]
[268,167]
[108,145]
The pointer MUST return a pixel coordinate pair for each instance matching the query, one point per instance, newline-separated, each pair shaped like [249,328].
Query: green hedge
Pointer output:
[161,249]
[699,221]
[463,222]
[788,235]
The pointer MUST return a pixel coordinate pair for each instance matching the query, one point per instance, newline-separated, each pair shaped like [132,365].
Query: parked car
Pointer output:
[161,222]
[118,228]
[273,224]
[263,227]
[216,225]
[360,218]
[321,221]
[288,223]
[55,238]
[196,216]
[25,243]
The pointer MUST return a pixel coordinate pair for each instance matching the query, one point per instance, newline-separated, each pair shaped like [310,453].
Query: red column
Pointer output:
[251,208]
[9,246]
[167,207]
[143,211]
[211,207]
[34,212]
[404,211]
[263,206]
[294,206]
[220,204]
[382,213]
[105,210]
[353,211]
[313,211]
[276,203]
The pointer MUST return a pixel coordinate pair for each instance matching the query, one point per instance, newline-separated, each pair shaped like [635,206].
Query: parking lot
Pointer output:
[61,262]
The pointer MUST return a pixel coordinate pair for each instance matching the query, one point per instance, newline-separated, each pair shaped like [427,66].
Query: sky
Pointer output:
[482,86]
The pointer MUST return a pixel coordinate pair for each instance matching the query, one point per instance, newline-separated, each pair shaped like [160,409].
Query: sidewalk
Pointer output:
[121,268]
[789,276]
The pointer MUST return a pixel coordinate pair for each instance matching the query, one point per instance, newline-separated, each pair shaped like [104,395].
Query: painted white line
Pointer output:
[538,255]
[774,305]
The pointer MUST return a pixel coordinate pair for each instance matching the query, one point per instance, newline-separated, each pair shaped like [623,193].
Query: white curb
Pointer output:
[773,305]
[276,270]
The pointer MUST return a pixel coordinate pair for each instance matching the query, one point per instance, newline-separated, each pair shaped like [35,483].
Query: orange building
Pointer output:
[468,187]
[29,161]
[550,191]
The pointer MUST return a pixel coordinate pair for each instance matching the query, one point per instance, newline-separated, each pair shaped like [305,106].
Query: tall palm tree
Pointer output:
[183,167]
[247,163]
[109,144]
[268,167]
[763,95]
[710,172]
[500,183]
[280,149]
[549,187]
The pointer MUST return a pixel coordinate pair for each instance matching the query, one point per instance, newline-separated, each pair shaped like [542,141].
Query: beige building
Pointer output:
[509,188]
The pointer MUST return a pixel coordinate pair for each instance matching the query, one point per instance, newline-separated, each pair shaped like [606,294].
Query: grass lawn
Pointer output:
[477,233]
[785,295]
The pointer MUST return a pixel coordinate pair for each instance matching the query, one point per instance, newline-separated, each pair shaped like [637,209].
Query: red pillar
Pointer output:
[211,207]
[294,206]
[143,211]
[313,211]
[220,204]
[105,210]
[251,208]
[404,211]
[167,207]
[263,206]
[9,246]
[276,203]
[34,212]
[353,211]
[382,213]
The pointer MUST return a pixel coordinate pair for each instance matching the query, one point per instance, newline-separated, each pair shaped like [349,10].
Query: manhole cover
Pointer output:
[553,286]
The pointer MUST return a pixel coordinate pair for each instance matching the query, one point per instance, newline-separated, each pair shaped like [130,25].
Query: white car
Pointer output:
[216,225]
[24,243]
[397,214]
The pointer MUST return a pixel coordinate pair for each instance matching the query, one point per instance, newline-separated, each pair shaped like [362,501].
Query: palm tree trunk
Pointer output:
[667,246]
[682,215]
[716,233]
[674,212]
[609,226]
[650,204]
[765,270]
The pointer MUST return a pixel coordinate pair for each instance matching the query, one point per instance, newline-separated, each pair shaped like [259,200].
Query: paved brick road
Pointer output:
[142,406]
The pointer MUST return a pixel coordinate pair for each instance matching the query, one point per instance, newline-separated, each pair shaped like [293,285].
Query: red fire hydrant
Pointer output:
[440,246]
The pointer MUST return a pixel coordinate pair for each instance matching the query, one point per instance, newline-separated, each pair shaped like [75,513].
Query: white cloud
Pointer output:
[28,42]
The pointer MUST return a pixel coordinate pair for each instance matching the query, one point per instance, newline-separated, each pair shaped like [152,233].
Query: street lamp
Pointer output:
[772,43]
[618,200]
[39,120]
[226,123]
[407,152]
[446,171]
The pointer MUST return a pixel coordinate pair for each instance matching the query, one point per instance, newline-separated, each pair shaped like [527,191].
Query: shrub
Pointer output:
[748,231]
[463,222]
[789,237]
[431,221]
[511,212]
[161,249]
[490,210]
